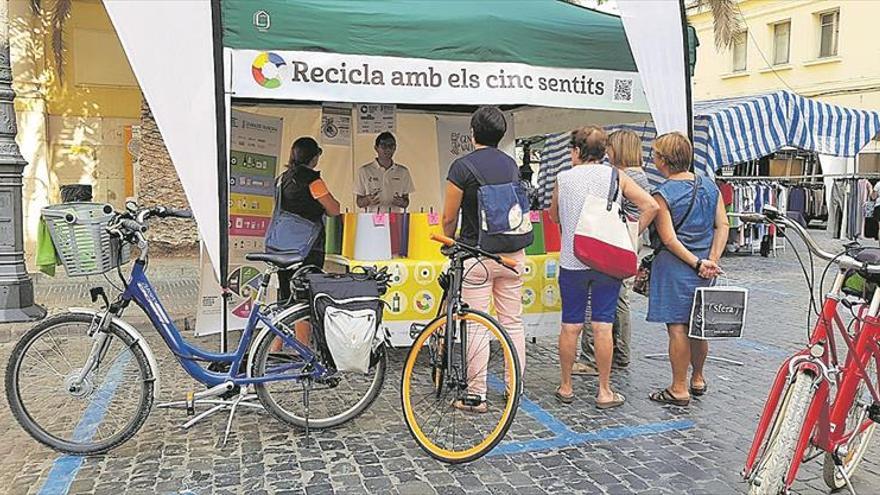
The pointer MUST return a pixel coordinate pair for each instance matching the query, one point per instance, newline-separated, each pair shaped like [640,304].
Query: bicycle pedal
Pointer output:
[874,412]
[190,403]
[415,330]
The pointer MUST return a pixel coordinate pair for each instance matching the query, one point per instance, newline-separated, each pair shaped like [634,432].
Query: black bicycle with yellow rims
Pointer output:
[462,379]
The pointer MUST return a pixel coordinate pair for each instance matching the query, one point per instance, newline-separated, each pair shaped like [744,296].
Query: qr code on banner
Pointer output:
[623,90]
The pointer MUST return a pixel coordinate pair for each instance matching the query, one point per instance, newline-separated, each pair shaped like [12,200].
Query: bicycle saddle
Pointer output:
[281,260]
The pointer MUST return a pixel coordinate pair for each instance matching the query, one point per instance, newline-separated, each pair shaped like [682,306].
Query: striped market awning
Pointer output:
[737,130]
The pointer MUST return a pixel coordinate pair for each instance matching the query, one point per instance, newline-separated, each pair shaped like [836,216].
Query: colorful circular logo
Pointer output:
[266,69]
[528,297]
[398,273]
[397,302]
[424,302]
[550,297]
[529,270]
[551,269]
[425,273]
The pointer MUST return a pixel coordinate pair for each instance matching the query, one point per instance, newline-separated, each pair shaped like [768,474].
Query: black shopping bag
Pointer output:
[718,313]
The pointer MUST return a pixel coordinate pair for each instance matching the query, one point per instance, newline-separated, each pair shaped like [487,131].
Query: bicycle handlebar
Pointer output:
[132,225]
[771,215]
[509,263]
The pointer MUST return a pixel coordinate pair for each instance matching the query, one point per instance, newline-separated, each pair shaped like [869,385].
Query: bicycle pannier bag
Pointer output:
[505,226]
[601,238]
[346,313]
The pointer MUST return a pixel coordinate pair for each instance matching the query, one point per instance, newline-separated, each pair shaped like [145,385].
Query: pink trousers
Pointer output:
[486,281]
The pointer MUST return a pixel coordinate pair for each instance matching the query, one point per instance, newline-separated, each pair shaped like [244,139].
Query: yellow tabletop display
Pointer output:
[414,293]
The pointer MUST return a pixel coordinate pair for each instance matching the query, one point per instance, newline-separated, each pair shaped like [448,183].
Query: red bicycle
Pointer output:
[816,406]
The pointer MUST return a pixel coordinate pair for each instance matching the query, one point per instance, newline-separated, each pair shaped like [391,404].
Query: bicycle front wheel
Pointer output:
[769,478]
[79,416]
[332,401]
[440,402]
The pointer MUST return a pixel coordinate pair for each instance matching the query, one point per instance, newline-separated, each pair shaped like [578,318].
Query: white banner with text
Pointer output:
[298,75]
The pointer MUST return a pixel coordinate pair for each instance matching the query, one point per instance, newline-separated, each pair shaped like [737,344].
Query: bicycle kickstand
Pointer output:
[838,464]
[232,410]
[307,387]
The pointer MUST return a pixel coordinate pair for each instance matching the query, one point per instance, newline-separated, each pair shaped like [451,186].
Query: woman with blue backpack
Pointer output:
[484,187]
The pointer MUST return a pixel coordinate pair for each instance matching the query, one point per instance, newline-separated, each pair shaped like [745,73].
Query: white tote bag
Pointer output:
[602,239]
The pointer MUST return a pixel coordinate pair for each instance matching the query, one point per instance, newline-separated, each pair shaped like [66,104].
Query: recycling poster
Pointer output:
[254,151]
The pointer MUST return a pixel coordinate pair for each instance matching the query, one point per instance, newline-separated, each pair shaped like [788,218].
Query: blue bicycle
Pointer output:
[84,381]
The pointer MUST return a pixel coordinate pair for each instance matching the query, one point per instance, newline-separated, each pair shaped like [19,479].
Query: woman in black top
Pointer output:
[304,193]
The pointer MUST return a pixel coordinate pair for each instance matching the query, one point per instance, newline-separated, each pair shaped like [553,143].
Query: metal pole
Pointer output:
[16,287]
[689,98]
[222,166]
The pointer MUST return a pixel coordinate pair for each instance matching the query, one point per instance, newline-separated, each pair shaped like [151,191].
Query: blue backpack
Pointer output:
[505,226]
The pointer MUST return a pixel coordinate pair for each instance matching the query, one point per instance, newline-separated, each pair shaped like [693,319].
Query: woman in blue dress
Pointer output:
[692,225]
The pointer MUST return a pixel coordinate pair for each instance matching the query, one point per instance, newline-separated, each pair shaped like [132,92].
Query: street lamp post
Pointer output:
[16,287]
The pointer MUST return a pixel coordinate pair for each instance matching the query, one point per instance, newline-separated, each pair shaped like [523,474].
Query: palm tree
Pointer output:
[157,177]
[725,13]
[726,17]
[55,17]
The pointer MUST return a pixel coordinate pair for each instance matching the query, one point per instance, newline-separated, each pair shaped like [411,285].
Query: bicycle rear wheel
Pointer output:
[429,389]
[53,406]
[332,401]
[769,478]
[857,419]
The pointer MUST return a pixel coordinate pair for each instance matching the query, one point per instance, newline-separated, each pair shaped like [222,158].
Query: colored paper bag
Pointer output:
[552,241]
[537,245]
[421,247]
[372,240]
[349,231]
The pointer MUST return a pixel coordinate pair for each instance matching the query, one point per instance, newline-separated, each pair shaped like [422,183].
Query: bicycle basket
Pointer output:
[79,232]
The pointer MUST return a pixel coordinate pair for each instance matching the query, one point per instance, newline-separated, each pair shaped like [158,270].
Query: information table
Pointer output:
[414,293]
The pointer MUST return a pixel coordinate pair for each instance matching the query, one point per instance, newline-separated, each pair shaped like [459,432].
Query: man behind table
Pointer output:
[383,185]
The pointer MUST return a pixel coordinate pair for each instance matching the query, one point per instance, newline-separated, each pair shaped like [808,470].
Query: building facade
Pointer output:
[822,49]
[80,125]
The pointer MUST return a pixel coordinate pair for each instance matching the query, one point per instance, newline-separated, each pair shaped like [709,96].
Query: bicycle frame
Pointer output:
[141,291]
[825,425]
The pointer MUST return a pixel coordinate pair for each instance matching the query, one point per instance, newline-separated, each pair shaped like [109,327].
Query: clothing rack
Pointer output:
[814,176]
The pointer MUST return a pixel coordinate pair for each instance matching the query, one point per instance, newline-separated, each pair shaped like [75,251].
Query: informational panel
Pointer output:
[336,125]
[374,118]
[454,141]
[254,150]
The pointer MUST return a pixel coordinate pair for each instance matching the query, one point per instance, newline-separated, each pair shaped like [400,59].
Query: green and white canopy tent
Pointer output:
[193,57]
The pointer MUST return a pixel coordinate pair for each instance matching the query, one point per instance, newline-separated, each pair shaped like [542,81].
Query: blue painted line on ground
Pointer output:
[565,437]
[65,467]
[765,348]
[744,343]
[571,438]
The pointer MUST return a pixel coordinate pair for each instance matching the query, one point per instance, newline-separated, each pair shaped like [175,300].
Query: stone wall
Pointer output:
[158,184]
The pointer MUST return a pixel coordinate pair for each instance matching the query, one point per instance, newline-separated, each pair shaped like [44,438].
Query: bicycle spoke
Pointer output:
[57,350]
[49,365]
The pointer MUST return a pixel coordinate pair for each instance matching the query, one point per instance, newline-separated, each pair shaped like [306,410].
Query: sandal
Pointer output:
[565,399]
[471,405]
[665,397]
[617,401]
[699,391]
[584,369]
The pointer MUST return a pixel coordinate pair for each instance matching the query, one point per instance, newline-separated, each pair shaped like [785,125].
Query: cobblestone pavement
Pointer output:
[552,448]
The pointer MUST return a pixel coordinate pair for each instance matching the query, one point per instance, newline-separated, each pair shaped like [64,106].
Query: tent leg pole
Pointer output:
[224,330]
